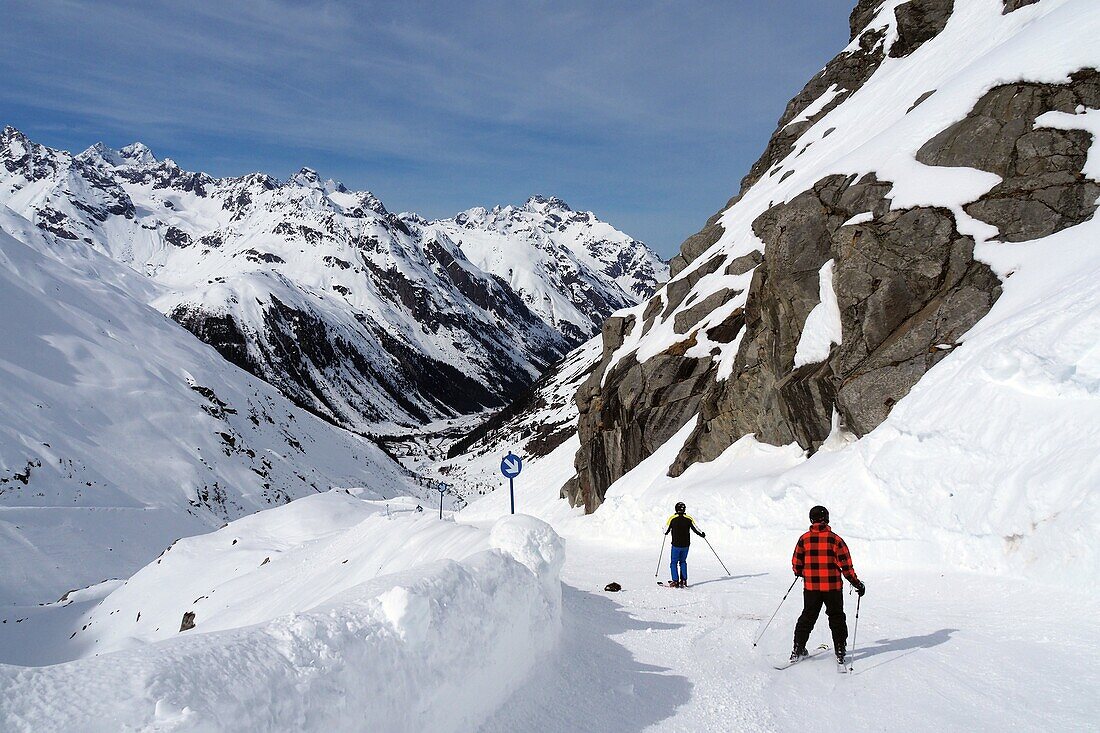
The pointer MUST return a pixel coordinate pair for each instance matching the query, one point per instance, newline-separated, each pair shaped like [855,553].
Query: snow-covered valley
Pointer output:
[376,321]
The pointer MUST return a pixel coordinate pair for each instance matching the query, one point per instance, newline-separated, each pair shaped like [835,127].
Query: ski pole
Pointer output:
[660,557]
[716,555]
[854,632]
[761,634]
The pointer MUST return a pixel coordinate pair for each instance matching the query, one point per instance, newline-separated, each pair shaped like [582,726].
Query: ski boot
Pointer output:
[841,656]
[799,653]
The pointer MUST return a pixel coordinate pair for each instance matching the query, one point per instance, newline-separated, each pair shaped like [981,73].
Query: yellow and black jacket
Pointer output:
[681,526]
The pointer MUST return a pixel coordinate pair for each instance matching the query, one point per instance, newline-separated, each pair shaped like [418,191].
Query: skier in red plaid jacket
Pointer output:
[820,558]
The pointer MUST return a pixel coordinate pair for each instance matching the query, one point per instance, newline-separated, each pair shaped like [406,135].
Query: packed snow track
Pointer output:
[935,652]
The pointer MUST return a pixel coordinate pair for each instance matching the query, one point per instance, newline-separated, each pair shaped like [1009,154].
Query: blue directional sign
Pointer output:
[511,465]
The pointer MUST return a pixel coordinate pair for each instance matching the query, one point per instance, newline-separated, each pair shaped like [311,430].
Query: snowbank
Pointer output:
[362,619]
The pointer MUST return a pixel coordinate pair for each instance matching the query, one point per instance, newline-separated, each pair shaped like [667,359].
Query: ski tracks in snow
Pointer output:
[933,653]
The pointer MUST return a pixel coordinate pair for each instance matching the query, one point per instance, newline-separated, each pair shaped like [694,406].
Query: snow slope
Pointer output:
[120,432]
[368,319]
[327,614]
[989,462]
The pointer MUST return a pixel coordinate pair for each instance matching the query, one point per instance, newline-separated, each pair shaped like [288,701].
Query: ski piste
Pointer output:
[814,653]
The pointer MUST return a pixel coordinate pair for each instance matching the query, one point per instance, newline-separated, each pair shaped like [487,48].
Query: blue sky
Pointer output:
[648,113]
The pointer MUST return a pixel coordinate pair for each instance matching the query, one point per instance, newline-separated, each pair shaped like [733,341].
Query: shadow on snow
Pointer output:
[727,578]
[907,645]
[594,683]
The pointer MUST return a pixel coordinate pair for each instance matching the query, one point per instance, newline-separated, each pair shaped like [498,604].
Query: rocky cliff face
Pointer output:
[827,288]
[369,319]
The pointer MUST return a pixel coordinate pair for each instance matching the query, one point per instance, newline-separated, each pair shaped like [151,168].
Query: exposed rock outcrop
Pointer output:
[906,282]
[1043,188]
[631,412]
[919,21]
[907,287]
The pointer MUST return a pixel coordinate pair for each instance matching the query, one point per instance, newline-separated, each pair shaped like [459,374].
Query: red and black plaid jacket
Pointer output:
[821,557]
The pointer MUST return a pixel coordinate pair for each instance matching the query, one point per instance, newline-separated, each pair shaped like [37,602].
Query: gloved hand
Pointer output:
[798,573]
[703,535]
[861,588]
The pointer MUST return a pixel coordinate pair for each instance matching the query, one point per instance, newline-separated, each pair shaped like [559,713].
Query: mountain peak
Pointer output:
[102,152]
[306,177]
[137,154]
[541,203]
[14,144]
[11,133]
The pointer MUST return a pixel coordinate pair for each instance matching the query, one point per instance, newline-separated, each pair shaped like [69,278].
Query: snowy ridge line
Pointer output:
[438,646]
[355,313]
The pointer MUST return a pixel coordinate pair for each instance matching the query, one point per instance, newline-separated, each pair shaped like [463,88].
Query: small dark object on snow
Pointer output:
[265,562]
[613,587]
[188,621]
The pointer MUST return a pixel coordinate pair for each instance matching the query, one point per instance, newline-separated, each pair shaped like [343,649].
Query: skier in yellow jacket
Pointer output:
[680,525]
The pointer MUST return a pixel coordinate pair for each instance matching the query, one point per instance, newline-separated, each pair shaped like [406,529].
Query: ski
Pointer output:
[813,653]
[666,584]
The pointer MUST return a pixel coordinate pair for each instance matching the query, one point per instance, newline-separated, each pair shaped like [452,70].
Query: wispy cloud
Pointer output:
[628,108]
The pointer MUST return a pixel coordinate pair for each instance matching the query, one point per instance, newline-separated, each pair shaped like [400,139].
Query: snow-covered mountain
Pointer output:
[120,431]
[897,316]
[366,318]
[572,269]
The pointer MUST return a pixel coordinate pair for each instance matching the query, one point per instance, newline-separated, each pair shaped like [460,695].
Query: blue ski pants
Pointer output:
[680,563]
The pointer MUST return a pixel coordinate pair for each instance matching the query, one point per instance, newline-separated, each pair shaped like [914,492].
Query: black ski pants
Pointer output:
[833,600]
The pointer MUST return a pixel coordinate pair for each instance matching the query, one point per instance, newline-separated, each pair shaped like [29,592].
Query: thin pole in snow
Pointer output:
[660,557]
[761,635]
[716,555]
[854,632]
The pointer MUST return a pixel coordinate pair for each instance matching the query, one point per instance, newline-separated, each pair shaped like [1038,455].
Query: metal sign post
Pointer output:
[441,488]
[510,466]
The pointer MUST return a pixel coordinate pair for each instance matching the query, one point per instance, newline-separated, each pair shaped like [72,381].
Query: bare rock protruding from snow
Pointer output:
[907,287]
[900,221]
[1043,189]
[840,78]
[919,21]
[1011,5]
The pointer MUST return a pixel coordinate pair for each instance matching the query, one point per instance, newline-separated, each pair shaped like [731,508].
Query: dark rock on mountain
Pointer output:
[919,21]
[848,71]
[906,281]
[1011,5]
[632,412]
[1043,189]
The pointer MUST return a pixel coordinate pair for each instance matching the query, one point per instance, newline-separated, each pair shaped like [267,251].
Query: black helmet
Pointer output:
[681,507]
[819,514]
